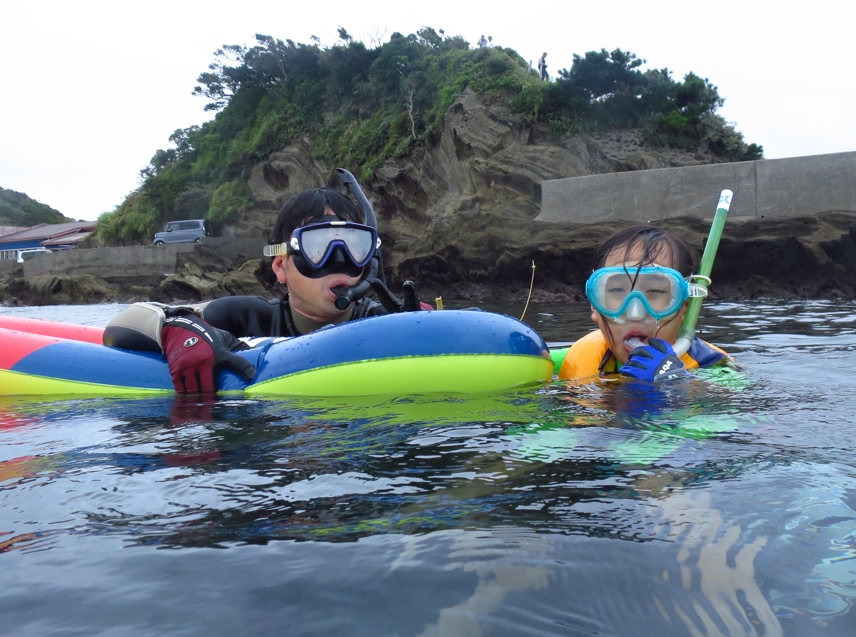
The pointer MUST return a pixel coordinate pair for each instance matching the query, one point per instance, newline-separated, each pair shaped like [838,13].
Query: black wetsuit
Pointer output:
[256,316]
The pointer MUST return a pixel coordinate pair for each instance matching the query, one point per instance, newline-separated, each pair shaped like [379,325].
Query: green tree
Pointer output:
[602,74]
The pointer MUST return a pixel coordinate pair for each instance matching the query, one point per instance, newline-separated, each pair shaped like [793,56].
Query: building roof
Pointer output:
[66,239]
[4,230]
[46,232]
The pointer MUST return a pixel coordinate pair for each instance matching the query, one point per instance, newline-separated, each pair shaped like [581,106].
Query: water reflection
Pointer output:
[723,507]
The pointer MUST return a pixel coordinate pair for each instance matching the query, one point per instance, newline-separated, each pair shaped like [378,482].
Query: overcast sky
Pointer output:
[90,90]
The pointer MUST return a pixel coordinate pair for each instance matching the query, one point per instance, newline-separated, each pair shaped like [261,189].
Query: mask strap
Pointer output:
[277,250]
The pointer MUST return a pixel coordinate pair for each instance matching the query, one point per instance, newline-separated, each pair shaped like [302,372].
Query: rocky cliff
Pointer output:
[458,217]
[462,211]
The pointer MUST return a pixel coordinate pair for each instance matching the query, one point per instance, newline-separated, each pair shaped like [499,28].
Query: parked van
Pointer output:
[187,231]
[28,253]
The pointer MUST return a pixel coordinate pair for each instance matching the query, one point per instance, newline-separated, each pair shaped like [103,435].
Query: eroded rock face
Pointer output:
[58,290]
[805,257]
[470,198]
[285,173]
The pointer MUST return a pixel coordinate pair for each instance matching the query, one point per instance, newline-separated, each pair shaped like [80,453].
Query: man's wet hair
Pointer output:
[308,207]
[653,241]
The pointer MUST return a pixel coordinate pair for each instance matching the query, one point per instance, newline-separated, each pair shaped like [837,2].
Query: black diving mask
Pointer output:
[329,247]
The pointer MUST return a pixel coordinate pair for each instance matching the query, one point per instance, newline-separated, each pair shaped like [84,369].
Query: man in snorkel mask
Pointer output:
[638,293]
[325,256]
[320,247]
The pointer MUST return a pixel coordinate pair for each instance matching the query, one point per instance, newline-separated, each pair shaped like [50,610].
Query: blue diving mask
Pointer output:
[329,247]
[638,294]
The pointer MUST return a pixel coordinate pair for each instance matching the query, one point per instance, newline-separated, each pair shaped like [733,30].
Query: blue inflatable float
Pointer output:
[448,351]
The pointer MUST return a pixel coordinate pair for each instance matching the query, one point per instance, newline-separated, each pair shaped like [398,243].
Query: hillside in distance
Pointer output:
[17,209]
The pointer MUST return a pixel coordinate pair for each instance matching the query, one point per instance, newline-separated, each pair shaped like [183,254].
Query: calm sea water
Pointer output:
[723,506]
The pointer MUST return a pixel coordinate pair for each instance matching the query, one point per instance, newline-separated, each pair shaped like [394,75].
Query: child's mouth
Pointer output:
[633,341]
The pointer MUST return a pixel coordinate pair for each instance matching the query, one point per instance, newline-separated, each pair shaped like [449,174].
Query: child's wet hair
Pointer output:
[653,241]
[309,206]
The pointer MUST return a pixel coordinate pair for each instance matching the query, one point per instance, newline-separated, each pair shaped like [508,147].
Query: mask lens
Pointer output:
[357,241]
[660,291]
[616,287]
[313,245]
[318,243]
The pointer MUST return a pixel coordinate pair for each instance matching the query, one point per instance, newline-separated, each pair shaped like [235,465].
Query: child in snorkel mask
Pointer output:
[320,247]
[638,293]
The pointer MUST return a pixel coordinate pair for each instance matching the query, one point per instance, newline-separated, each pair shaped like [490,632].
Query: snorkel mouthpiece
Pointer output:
[634,342]
[345,295]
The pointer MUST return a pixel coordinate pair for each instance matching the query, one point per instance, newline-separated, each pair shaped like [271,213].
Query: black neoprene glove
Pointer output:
[411,299]
[195,352]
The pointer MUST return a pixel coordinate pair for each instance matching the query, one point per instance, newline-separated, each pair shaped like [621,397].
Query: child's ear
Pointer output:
[279,269]
[594,315]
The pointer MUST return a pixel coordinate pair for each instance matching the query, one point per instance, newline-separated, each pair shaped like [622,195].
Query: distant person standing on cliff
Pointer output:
[481,42]
[542,67]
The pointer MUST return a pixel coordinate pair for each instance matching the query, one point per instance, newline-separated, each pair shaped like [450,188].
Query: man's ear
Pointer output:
[279,269]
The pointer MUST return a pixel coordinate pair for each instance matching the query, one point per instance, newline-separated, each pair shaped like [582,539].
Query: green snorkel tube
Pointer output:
[687,331]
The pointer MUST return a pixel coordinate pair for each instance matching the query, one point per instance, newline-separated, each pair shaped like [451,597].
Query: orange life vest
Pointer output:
[591,355]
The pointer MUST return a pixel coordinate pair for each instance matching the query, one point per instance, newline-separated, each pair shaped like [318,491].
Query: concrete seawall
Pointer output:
[8,265]
[134,260]
[772,188]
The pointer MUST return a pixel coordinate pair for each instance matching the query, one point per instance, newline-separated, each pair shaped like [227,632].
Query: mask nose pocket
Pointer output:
[338,257]
[636,310]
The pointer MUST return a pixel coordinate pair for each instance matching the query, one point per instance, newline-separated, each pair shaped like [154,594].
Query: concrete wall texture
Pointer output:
[768,188]
[8,265]
[134,260]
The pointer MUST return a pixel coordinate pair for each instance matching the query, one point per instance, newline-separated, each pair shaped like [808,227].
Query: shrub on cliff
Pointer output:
[229,201]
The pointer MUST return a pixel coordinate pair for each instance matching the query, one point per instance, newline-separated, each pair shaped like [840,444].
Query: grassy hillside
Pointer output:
[361,105]
[17,209]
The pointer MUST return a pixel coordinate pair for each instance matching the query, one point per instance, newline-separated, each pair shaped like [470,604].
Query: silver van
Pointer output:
[187,231]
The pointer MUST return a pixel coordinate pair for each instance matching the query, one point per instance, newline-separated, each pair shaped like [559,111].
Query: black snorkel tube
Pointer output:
[373,279]
[353,187]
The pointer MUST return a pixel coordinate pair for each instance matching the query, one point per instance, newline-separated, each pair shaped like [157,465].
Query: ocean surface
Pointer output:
[719,506]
